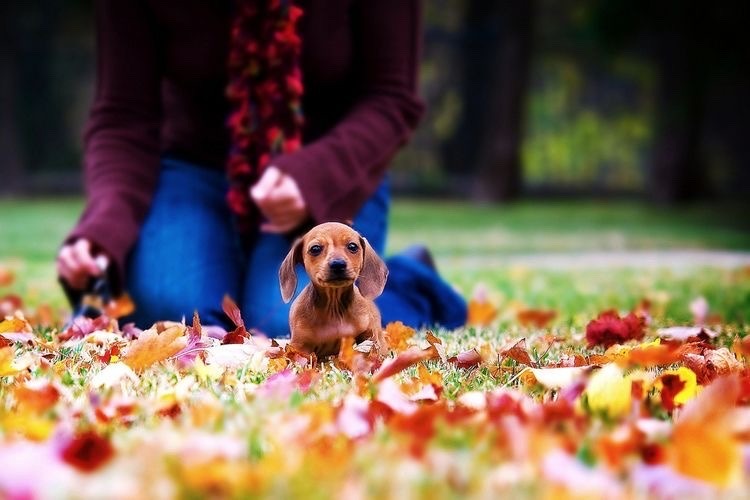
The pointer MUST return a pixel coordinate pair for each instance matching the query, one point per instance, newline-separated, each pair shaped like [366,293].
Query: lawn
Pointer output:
[540,395]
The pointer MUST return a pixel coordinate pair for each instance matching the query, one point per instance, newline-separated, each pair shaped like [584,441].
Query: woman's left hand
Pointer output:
[280,201]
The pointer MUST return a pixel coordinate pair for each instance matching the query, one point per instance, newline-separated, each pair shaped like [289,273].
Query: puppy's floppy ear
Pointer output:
[374,274]
[287,274]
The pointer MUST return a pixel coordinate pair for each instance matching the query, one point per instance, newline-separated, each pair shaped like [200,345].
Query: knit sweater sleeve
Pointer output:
[339,171]
[122,134]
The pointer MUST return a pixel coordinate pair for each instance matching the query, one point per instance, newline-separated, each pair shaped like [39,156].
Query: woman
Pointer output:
[220,131]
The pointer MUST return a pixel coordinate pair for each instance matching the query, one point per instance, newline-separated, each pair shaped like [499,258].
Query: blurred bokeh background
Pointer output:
[525,97]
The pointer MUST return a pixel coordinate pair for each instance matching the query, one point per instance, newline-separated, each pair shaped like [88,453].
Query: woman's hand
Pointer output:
[280,201]
[76,263]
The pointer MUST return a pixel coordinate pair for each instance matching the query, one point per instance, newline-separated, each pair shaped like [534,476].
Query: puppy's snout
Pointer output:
[337,265]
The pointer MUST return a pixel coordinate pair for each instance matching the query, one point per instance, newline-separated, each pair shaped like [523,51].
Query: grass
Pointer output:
[182,427]
[477,244]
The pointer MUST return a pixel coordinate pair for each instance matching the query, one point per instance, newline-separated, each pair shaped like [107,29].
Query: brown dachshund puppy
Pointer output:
[332,306]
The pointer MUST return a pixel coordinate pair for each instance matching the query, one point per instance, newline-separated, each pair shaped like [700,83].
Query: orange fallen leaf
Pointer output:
[712,364]
[518,353]
[401,362]
[6,276]
[703,446]
[151,346]
[37,395]
[119,307]
[538,318]
[481,311]
[397,335]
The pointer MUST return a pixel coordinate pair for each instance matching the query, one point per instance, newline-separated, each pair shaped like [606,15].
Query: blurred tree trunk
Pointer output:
[10,160]
[496,52]
[677,170]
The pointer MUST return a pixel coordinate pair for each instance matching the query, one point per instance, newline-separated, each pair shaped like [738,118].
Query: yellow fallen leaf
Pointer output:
[10,364]
[608,392]
[151,346]
[29,424]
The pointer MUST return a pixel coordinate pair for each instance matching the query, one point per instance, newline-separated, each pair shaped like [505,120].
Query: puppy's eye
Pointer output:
[352,247]
[315,250]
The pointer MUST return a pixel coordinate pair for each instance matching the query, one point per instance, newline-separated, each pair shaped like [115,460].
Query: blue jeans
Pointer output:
[189,255]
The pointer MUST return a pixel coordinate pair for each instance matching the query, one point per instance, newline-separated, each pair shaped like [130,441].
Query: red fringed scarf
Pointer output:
[265,93]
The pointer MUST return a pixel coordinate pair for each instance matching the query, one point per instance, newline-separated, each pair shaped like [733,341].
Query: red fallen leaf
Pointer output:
[10,304]
[230,309]
[239,334]
[466,359]
[653,454]
[87,451]
[82,326]
[609,329]
[518,353]
[4,342]
[171,410]
[420,425]
[397,335]
[671,387]
[501,403]
[401,362]
[538,318]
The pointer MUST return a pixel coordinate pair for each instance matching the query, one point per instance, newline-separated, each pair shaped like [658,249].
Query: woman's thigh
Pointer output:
[263,307]
[187,256]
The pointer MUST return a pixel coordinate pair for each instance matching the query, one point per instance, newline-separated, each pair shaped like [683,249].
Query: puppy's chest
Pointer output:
[336,328]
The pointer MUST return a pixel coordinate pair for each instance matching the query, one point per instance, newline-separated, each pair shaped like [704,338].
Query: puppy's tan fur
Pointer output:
[332,306]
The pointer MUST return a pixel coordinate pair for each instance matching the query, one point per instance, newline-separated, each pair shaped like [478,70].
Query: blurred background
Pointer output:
[526,98]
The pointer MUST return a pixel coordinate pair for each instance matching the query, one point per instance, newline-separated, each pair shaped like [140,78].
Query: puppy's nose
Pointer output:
[337,265]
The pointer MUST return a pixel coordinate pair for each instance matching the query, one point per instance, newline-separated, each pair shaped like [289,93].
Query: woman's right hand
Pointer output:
[76,263]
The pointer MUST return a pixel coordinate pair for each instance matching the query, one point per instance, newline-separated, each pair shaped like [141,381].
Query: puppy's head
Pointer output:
[334,255]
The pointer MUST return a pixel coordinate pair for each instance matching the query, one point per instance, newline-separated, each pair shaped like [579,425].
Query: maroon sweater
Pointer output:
[161,74]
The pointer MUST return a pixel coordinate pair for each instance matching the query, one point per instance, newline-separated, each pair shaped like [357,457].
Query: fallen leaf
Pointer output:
[230,309]
[437,345]
[481,311]
[518,353]
[398,335]
[87,451]
[608,392]
[703,445]
[119,307]
[559,378]
[676,387]
[466,359]
[401,362]
[609,329]
[151,346]
[683,333]
[36,395]
[6,276]
[537,318]
[112,375]
[712,364]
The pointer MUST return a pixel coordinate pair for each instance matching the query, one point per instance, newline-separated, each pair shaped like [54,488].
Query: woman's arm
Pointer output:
[122,134]
[337,173]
